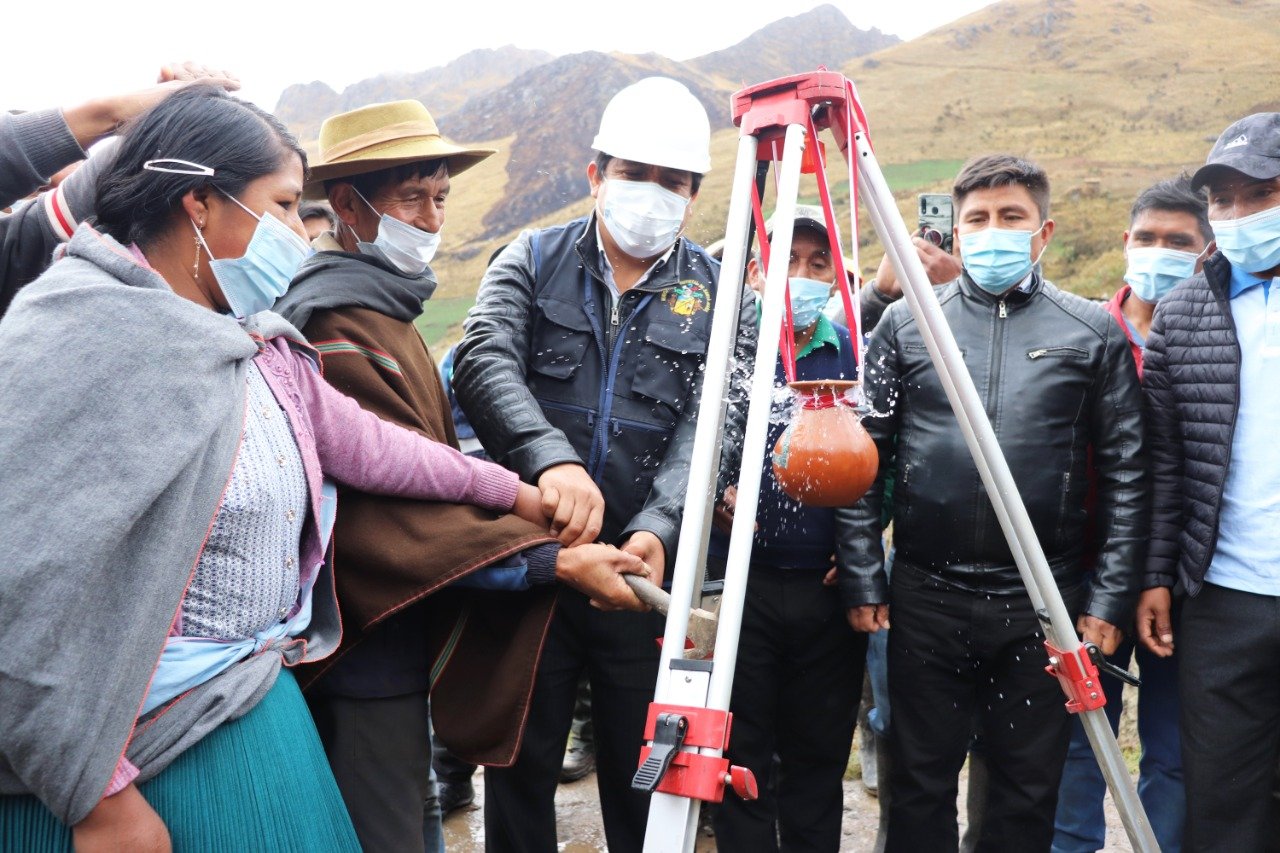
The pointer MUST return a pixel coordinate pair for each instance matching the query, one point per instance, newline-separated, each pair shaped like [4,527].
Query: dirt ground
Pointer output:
[578,814]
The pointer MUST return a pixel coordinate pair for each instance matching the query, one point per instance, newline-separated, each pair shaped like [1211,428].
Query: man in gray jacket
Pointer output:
[581,370]
[1060,386]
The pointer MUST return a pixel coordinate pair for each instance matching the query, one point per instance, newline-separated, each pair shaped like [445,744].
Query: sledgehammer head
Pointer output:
[702,624]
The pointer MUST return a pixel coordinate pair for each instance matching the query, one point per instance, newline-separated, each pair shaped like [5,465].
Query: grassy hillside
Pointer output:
[1108,96]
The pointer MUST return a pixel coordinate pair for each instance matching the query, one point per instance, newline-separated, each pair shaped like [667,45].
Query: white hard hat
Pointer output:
[657,121]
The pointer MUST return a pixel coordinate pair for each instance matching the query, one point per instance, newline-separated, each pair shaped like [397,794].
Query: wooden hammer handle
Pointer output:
[651,595]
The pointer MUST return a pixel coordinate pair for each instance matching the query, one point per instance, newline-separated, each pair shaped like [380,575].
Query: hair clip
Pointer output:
[183,167]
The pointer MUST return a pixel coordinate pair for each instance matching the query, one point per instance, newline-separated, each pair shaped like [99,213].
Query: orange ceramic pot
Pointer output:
[825,457]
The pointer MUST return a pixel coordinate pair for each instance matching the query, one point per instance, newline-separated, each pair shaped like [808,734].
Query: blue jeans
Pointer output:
[878,670]
[1079,825]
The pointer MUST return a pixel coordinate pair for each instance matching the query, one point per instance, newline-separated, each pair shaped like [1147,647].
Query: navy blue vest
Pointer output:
[617,382]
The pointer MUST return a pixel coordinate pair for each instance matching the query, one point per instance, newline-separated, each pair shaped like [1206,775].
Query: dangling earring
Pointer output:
[195,264]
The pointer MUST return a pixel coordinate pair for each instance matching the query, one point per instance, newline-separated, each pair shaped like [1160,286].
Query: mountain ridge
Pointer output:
[1107,95]
[521,94]
[304,106]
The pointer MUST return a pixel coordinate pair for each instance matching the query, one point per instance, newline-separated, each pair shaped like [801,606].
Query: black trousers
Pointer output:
[1229,687]
[619,653]
[955,657]
[795,693]
[380,752]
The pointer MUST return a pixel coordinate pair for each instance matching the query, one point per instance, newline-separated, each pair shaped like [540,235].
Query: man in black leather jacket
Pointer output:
[1061,390]
[581,369]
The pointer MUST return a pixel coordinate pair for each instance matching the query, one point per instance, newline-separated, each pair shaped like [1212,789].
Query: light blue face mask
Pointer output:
[808,298]
[997,258]
[1252,242]
[254,281]
[1152,272]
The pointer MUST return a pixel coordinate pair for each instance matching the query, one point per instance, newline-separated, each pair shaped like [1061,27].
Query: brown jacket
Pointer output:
[391,554]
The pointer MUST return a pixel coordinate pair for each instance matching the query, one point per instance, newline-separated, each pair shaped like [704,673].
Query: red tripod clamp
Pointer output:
[764,111]
[1078,675]
[665,767]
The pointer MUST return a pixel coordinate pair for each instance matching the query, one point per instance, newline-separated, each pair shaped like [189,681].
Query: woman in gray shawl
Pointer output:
[164,512]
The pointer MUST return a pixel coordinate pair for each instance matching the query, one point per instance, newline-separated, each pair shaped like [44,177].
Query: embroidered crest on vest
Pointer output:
[688,298]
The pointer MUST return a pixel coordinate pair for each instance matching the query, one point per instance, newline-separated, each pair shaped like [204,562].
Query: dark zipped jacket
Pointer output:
[549,371]
[1057,377]
[32,147]
[1191,383]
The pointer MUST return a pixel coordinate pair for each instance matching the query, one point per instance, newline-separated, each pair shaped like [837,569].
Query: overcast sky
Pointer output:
[63,54]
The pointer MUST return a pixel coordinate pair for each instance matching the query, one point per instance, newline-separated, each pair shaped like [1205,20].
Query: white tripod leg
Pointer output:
[757,433]
[673,820]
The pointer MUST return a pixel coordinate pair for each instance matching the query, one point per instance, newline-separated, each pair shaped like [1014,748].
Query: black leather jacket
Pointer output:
[551,371]
[1060,386]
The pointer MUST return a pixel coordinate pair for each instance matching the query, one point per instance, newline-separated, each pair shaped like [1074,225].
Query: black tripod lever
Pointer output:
[668,737]
[1104,665]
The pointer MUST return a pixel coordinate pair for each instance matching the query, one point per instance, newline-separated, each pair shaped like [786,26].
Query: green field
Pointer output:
[441,313]
[902,178]
[920,174]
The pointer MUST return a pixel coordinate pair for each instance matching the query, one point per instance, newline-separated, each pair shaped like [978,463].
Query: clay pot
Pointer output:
[825,457]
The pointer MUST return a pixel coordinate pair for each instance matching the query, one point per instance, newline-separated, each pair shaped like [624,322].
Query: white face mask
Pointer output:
[643,218]
[406,248]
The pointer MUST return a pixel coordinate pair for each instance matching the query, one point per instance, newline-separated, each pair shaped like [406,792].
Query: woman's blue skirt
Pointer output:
[261,782]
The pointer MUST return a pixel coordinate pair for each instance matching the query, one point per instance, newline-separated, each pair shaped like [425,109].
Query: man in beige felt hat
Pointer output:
[388,161]
[386,171]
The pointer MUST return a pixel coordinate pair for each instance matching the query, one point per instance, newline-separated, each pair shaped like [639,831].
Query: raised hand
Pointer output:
[96,118]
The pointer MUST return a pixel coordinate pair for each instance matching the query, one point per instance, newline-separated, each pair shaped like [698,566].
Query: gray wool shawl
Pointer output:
[123,406]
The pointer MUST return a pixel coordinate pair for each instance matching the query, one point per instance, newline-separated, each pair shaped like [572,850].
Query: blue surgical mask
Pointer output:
[254,281]
[997,258]
[1152,272]
[400,244]
[1251,243]
[808,297]
[643,218]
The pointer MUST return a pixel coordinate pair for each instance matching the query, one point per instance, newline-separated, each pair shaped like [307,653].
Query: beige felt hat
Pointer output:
[380,136]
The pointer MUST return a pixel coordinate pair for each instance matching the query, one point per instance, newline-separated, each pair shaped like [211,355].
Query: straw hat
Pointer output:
[380,136]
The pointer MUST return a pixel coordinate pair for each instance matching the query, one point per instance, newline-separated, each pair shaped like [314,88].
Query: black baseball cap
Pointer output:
[1250,146]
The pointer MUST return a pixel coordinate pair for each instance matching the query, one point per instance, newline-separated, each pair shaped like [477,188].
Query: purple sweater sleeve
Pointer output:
[361,450]
[124,775]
